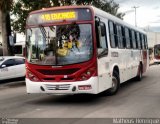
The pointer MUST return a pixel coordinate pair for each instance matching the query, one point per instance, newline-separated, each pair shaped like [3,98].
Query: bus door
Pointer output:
[102,53]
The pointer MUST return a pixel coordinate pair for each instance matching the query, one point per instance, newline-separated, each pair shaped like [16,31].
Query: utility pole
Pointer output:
[135,8]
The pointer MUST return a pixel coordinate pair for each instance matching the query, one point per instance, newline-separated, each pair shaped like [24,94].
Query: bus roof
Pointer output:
[59,8]
[104,14]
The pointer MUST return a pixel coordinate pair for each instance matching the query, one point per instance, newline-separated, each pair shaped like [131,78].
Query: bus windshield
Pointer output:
[59,45]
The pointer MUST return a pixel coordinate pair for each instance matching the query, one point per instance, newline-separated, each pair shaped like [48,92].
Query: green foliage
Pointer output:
[23,7]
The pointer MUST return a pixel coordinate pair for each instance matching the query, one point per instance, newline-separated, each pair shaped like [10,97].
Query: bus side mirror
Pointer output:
[102,52]
[0,44]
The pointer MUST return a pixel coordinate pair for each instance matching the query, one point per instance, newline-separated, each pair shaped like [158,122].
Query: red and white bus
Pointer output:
[81,49]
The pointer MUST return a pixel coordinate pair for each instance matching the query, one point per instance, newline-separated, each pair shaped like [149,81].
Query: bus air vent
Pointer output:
[58,72]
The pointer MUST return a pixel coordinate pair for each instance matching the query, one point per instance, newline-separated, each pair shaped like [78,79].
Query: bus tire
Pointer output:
[115,84]
[139,76]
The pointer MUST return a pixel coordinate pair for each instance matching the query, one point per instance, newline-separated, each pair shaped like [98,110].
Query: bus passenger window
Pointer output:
[145,39]
[142,41]
[133,39]
[145,43]
[128,44]
[112,34]
[138,40]
[119,36]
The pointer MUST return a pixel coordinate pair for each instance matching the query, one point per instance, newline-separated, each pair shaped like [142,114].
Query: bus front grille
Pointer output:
[58,72]
[58,87]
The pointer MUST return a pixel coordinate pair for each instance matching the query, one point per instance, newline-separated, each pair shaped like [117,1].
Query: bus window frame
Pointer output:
[138,40]
[105,35]
[133,41]
[127,39]
[119,35]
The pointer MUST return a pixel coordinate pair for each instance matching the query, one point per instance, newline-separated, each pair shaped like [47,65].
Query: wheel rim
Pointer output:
[114,84]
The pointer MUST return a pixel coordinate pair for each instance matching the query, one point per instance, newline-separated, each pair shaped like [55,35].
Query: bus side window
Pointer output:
[135,33]
[112,34]
[123,37]
[146,41]
[128,44]
[142,41]
[119,36]
[130,37]
[133,39]
[103,41]
[100,34]
[138,40]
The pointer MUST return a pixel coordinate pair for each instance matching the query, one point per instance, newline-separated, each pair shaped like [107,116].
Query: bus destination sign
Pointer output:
[59,16]
[55,16]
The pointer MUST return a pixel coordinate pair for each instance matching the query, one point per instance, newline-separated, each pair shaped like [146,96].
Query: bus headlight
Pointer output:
[31,76]
[87,74]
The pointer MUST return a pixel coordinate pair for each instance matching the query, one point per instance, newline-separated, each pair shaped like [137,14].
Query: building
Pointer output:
[153,38]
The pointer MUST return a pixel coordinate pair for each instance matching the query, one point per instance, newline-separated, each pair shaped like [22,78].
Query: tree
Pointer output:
[5,7]
[23,7]
[109,6]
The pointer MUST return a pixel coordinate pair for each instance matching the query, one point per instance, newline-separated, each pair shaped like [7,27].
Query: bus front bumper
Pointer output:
[79,87]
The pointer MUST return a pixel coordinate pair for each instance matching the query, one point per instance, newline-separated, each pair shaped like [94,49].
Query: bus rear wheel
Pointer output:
[139,76]
[115,84]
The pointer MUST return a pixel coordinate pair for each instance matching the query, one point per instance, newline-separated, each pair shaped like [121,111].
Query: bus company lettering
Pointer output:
[114,54]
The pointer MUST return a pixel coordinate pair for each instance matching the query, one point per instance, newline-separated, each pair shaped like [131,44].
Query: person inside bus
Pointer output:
[72,43]
[49,57]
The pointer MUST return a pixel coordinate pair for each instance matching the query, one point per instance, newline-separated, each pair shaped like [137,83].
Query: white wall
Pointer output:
[153,38]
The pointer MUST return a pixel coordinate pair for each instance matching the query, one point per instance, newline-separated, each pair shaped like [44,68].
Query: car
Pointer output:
[12,67]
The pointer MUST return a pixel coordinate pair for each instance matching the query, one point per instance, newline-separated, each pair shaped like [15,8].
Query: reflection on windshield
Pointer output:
[59,45]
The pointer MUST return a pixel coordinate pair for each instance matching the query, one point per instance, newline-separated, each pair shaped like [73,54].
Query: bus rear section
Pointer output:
[61,56]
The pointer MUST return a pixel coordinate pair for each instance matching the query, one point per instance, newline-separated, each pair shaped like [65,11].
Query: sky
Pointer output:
[147,13]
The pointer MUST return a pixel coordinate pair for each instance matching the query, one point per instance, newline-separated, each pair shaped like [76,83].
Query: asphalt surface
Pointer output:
[134,100]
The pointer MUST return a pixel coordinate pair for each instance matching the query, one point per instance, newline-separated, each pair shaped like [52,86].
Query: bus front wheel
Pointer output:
[115,84]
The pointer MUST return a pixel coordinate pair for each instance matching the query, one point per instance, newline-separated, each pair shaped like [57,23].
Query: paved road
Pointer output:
[135,99]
